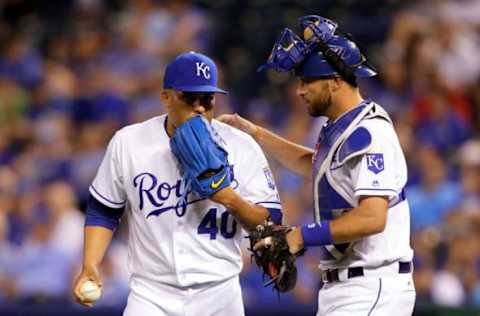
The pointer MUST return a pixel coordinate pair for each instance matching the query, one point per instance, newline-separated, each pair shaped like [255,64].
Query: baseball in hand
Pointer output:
[90,291]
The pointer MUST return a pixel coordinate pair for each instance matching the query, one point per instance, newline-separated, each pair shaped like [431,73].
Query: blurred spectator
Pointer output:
[41,271]
[65,234]
[459,272]
[435,196]
[181,25]
[13,100]
[18,61]
[469,158]
[21,218]
[425,243]
[447,289]
[442,116]
[457,46]
[90,140]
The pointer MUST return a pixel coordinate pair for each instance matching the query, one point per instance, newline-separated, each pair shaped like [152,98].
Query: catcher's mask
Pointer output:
[322,52]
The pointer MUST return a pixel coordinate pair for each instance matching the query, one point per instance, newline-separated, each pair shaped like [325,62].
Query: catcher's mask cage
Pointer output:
[324,51]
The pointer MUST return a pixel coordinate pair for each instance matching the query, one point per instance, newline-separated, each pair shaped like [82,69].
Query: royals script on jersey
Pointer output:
[170,242]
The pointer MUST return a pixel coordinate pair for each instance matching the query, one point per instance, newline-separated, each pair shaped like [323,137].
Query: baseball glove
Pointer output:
[203,162]
[275,258]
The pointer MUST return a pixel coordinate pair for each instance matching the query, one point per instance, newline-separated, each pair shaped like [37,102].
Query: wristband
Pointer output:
[317,234]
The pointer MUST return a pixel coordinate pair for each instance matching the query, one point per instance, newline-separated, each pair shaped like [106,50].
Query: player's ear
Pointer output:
[163,95]
[166,98]
[336,83]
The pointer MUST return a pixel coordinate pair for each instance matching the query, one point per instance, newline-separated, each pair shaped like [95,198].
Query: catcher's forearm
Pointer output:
[368,218]
[361,222]
[247,214]
[96,241]
[293,156]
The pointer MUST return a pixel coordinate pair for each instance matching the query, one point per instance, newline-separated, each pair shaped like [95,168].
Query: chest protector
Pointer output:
[339,142]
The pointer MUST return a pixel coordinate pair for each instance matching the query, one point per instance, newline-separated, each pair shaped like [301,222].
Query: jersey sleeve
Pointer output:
[108,187]
[256,181]
[375,172]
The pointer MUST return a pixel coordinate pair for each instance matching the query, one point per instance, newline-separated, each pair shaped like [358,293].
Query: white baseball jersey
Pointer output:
[170,244]
[360,155]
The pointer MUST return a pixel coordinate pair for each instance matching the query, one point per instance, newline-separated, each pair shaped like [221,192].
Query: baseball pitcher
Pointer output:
[188,184]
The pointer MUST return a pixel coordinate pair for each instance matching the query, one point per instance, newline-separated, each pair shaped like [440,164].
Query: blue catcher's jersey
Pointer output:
[359,155]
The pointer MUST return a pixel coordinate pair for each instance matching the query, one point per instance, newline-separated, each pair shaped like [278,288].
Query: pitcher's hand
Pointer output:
[86,274]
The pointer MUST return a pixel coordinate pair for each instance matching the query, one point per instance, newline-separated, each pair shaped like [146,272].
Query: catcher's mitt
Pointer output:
[275,258]
[203,161]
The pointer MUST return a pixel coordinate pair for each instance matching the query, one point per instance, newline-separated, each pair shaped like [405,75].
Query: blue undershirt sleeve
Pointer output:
[98,214]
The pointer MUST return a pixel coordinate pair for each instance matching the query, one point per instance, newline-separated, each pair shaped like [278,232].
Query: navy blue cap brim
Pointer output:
[199,89]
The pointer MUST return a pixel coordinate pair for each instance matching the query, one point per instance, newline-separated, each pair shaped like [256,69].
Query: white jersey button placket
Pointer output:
[180,253]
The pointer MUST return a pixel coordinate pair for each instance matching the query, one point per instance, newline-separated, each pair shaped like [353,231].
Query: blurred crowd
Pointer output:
[68,80]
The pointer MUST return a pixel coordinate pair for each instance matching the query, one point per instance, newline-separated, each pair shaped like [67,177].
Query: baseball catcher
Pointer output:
[361,221]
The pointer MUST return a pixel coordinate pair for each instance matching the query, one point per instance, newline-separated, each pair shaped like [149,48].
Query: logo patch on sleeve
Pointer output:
[375,163]
[270,179]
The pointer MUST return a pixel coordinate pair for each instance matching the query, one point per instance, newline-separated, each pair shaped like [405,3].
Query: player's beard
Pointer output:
[319,106]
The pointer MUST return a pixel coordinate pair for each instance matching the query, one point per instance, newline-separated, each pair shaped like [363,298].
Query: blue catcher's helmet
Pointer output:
[316,65]
[320,53]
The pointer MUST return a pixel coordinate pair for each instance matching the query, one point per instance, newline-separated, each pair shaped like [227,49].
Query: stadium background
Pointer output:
[72,72]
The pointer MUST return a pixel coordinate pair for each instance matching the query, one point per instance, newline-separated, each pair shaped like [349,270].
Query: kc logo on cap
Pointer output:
[204,69]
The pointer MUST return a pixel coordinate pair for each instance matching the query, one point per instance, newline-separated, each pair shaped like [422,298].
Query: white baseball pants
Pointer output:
[368,296]
[224,298]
